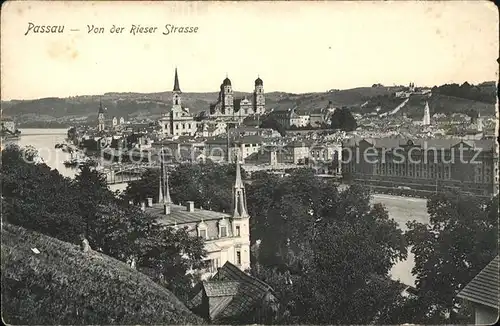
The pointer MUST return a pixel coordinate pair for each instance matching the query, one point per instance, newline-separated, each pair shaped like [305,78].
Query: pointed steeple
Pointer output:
[239,183]
[427,115]
[160,192]
[176,82]
[167,199]
[240,203]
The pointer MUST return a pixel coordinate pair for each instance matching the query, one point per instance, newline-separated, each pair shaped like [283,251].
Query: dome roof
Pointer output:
[258,82]
[226,82]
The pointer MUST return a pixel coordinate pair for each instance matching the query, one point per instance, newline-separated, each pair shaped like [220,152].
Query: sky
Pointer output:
[293,46]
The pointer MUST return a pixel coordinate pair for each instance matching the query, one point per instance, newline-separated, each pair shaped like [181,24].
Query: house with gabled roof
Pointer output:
[226,235]
[234,297]
[483,292]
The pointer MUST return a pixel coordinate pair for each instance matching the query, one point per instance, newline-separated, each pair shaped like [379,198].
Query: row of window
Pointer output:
[223,232]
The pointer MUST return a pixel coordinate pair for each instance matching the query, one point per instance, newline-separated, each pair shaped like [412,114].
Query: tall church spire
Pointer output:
[176,82]
[167,199]
[160,192]
[427,115]
[240,203]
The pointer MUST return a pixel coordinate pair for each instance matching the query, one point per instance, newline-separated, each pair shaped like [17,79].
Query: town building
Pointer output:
[8,125]
[211,128]
[425,165]
[226,235]
[253,131]
[226,148]
[483,292]
[283,116]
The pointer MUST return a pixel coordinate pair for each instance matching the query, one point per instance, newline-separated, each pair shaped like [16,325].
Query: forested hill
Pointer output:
[152,105]
[48,281]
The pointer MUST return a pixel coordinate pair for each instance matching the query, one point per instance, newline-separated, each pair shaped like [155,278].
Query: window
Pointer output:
[238,231]
[238,257]
[213,265]
[223,231]
[202,233]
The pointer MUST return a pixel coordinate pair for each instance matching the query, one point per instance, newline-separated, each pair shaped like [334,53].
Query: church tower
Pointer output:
[480,125]
[176,96]
[427,115]
[241,221]
[164,187]
[259,101]
[227,97]
[100,117]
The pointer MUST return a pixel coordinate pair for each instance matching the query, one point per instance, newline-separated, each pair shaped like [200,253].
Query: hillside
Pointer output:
[63,285]
[152,105]
[445,104]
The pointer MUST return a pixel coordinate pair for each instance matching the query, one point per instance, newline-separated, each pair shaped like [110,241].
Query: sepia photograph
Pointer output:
[249,162]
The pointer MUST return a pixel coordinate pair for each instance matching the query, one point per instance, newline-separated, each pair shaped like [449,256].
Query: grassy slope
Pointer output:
[63,285]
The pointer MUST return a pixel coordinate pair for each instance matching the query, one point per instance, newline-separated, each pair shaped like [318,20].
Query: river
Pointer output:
[401,209]
[44,141]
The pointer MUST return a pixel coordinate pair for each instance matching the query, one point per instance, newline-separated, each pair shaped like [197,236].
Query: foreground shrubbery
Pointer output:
[64,285]
[40,199]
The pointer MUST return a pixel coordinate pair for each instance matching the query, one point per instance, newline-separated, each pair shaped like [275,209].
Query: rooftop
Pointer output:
[484,288]
[394,142]
[180,215]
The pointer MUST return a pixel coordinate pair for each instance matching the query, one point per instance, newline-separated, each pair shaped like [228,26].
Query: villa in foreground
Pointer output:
[227,236]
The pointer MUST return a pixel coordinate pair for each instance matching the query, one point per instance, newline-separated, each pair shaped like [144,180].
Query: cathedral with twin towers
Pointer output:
[226,109]
[227,105]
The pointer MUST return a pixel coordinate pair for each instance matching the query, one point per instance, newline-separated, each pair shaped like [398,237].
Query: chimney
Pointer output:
[150,202]
[190,206]
[166,209]
[143,206]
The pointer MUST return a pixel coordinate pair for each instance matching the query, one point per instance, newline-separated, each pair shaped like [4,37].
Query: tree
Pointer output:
[328,251]
[37,198]
[93,192]
[209,185]
[342,119]
[271,122]
[459,242]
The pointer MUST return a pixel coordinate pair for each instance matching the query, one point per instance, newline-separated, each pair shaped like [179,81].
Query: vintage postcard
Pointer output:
[250,162]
